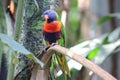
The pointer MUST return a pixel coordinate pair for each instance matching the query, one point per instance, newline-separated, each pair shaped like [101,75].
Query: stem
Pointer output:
[88,64]
[19,17]
[2,19]
[18,25]
[11,67]
[1,28]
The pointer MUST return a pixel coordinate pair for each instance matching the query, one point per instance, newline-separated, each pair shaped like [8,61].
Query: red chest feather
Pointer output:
[54,26]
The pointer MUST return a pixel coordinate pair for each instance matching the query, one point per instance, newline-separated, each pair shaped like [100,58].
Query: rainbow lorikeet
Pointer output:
[54,32]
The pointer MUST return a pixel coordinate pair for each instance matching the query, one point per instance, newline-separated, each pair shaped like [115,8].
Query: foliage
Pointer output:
[109,39]
[19,48]
[73,24]
[108,17]
[98,49]
[93,53]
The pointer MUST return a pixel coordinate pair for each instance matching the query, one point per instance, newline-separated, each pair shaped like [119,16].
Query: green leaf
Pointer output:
[18,47]
[106,51]
[117,15]
[105,40]
[13,44]
[15,59]
[110,37]
[108,17]
[93,53]
[104,19]
[114,35]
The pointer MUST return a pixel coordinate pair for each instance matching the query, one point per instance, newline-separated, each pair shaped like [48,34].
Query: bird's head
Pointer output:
[50,15]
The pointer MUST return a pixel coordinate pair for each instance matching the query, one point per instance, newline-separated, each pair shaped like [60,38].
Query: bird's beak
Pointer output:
[46,17]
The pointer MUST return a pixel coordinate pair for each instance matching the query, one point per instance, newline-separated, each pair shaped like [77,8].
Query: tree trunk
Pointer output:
[113,4]
[31,37]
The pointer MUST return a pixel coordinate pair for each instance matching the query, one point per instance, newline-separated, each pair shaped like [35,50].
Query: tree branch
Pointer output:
[88,64]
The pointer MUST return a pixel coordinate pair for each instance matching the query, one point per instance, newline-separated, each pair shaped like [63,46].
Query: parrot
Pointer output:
[54,32]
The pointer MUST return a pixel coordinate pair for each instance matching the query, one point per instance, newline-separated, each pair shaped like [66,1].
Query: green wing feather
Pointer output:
[62,40]
[61,58]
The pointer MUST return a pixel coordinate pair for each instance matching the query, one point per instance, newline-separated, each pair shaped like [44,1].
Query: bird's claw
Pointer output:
[47,48]
[53,44]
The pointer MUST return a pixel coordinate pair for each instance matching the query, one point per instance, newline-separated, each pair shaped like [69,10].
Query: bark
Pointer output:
[38,72]
[65,7]
[113,9]
[31,36]
[18,25]
[83,28]
[83,74]
[83,8]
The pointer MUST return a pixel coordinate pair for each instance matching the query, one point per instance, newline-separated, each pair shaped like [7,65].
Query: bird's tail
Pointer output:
[63,65]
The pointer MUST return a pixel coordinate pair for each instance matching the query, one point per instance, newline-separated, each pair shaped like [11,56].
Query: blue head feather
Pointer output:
[51,14]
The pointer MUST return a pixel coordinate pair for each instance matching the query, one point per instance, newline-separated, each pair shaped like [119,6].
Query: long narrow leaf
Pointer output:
[106,51]
[93,53]
[18,47]
[108,17]
[114,35]
[104,19]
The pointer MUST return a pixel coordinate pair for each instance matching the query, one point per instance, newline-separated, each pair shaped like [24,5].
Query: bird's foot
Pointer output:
[53,44]
[47,48]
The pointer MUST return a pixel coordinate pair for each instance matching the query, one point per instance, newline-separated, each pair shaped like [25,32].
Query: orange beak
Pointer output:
[46,17]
